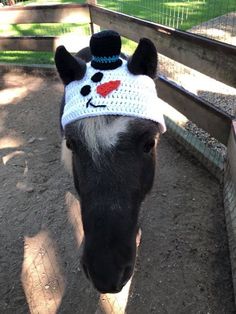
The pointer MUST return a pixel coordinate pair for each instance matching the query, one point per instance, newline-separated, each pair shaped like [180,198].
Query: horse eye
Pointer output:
[148,146]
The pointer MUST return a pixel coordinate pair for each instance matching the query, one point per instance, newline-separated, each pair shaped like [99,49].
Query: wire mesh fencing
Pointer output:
[212,18]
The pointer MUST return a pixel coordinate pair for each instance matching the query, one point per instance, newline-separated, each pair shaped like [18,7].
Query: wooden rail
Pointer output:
[63,13]
[207,56]
[232,152]
[230,198]
[70,13]
[28,43]
[201,112]
[43,43]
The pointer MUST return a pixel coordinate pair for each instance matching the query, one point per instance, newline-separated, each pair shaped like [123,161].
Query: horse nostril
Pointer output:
[113,289]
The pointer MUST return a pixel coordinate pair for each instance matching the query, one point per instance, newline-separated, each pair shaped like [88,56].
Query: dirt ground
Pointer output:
[183,265]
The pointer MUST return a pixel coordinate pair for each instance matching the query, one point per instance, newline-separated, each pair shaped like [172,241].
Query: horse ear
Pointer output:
[144,59]
[69,67]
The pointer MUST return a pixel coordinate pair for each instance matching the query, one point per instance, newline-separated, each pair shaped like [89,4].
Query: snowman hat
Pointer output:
[105,48]
[109,85]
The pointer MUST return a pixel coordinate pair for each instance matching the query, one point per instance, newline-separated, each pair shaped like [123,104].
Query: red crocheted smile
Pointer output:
[106,88]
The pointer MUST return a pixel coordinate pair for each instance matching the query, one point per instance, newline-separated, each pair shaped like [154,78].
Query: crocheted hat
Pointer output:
[109,88]
[105,48]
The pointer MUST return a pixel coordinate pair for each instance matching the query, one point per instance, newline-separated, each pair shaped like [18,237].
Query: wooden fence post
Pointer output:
[230,198]
[93,2]
[94,28]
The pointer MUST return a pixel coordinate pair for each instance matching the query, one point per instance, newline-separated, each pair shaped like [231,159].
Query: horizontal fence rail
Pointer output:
[28,43]
[199,111]
[207,56]
[230,198]
[73,43]
[232,152]
[69,13]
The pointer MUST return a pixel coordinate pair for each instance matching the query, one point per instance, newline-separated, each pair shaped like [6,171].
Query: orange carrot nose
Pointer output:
[106,88]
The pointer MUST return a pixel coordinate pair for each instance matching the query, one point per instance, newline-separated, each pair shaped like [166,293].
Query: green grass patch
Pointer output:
[177,14]
[128,46]
[46,29]
[27,57]
[182,14]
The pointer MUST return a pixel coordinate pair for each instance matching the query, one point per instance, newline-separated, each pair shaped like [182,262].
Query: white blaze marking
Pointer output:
[103,136]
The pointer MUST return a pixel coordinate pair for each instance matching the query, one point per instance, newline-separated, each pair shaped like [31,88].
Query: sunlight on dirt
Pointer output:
[8,157]
[10,142]
[173,114]
[71,43]
[41,277]
[8,95]
[199,82]
[221,28]
[218,34]
[114,303]
[18,86]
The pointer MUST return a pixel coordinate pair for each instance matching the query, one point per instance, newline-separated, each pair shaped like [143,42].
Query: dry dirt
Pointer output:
[183,265]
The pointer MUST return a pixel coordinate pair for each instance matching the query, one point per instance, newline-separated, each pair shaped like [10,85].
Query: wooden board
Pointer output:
[67,13]
[43,43]
[232,152]
[230,198]
[209,57]
[205,115]
[30,43]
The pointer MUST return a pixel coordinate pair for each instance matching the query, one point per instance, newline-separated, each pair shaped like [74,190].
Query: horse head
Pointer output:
[111,120]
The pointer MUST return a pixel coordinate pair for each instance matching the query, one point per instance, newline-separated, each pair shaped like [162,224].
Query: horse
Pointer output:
[110,152]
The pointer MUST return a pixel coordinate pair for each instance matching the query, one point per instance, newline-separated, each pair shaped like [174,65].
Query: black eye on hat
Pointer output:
[97,77]
[85,90]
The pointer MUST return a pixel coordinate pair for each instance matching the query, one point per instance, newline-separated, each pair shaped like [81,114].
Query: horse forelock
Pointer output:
[101,134]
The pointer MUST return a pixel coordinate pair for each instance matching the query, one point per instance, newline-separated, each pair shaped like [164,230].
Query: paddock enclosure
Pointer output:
[186,260]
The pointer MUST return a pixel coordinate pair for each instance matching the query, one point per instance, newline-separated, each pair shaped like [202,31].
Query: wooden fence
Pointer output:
[214,59]
[217,60]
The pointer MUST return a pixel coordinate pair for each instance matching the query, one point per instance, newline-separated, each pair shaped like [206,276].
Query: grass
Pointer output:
[26,57]
[182,14]
[46,29]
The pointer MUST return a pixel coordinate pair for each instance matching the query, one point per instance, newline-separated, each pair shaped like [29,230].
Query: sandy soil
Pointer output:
[183,264]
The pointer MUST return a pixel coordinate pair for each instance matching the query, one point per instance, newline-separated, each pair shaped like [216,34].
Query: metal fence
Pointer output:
[212,18]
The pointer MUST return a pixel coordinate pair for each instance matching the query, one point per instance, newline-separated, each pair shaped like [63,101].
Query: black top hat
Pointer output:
[105,47]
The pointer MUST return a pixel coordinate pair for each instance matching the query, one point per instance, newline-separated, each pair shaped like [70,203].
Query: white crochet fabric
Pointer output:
[136,96]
